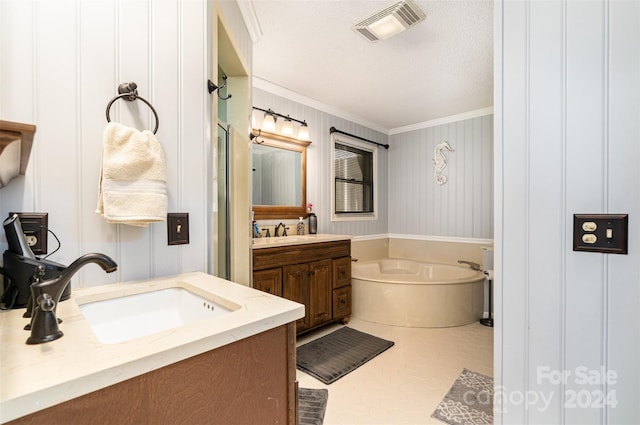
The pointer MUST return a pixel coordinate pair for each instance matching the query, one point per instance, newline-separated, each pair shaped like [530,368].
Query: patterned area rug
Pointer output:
[332,356]
[468,402]
[311,406]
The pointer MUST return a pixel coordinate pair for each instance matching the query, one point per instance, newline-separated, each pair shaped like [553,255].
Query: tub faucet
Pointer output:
[474,266]
[47,294]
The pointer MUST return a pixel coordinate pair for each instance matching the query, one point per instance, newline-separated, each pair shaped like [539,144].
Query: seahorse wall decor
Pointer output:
[440,161]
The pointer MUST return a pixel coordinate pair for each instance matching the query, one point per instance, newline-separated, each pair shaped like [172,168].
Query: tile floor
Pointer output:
[404,384]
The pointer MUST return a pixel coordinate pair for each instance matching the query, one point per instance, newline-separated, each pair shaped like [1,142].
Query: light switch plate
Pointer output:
[178,228]
[606,233]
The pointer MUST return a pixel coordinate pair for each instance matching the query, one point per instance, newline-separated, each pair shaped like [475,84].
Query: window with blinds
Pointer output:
[354,176]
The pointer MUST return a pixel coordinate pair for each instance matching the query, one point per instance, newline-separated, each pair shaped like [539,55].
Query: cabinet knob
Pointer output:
[269,290]
[343,302]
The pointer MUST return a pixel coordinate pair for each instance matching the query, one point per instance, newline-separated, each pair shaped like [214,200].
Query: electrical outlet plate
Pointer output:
[177,228]
[34,227]
[606,233]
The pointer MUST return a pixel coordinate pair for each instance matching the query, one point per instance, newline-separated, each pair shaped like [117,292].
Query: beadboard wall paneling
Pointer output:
[586,170]
[462,207]
[72,57]
[319,162]
[568,141]
[623,195]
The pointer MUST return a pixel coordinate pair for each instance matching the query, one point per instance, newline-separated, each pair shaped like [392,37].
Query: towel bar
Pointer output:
[128,91]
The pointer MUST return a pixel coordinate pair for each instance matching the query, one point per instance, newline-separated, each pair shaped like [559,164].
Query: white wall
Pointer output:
[62,62]
[567,141]
[463,206]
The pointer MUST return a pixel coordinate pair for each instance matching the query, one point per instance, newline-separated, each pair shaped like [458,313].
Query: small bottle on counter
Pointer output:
[313,224]
[300,227]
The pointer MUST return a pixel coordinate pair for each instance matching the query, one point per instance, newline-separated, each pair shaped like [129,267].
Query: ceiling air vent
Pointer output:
[390,21]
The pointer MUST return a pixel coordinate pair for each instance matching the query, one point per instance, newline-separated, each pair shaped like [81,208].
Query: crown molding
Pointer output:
[307,101]
[444,120]
[250,19]
[312,103]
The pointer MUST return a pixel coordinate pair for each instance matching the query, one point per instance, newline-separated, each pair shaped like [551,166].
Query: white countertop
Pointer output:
[34,377]
[271,242]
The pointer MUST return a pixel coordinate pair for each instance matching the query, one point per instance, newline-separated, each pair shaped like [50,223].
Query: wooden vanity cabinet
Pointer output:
[317,275]
[229,385]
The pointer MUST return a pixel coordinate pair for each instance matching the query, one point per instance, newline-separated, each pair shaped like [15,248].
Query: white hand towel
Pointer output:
[133,178]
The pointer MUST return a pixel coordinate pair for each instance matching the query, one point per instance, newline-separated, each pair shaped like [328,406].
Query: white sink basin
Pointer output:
[128,317]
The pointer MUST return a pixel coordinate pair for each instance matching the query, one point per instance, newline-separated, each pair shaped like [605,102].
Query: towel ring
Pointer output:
[129,92]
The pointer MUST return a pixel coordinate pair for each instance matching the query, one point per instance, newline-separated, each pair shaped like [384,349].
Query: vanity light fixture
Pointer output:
[390,21]
[269,124]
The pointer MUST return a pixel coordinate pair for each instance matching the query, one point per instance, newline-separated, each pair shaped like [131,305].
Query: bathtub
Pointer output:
[416,294]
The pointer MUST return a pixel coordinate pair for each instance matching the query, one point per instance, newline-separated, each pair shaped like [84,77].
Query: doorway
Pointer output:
[230,180]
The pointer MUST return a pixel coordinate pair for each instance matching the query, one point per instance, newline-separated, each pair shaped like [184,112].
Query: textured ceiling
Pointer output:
[440,67]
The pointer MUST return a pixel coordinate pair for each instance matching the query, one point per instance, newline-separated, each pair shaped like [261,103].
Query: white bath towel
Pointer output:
[133,178]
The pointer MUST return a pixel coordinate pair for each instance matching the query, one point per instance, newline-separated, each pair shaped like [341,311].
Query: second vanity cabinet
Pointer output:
[317,275]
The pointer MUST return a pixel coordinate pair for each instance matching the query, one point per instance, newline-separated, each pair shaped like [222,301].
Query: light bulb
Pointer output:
[269,123]
[303,132]
[287,127]
[387,27]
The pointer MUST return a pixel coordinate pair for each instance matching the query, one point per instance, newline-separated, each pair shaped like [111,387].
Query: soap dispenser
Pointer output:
[313,224]
[300,227]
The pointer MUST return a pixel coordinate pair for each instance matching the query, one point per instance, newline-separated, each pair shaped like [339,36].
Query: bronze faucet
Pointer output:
[276,232]
[474,266]
[46,296]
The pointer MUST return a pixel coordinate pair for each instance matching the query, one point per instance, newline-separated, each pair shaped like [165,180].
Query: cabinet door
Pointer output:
[341,272]
[269,280]
[295,287]
[320,285]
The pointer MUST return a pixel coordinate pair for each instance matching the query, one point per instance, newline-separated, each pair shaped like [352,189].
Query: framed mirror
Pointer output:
[279,176]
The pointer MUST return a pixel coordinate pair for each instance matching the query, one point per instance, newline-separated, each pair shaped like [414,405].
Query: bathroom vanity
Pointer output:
[212,370]
[314,270]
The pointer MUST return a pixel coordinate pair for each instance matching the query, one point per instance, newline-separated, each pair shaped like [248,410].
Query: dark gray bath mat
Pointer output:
[332,356]
[311,406]
[468,402]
